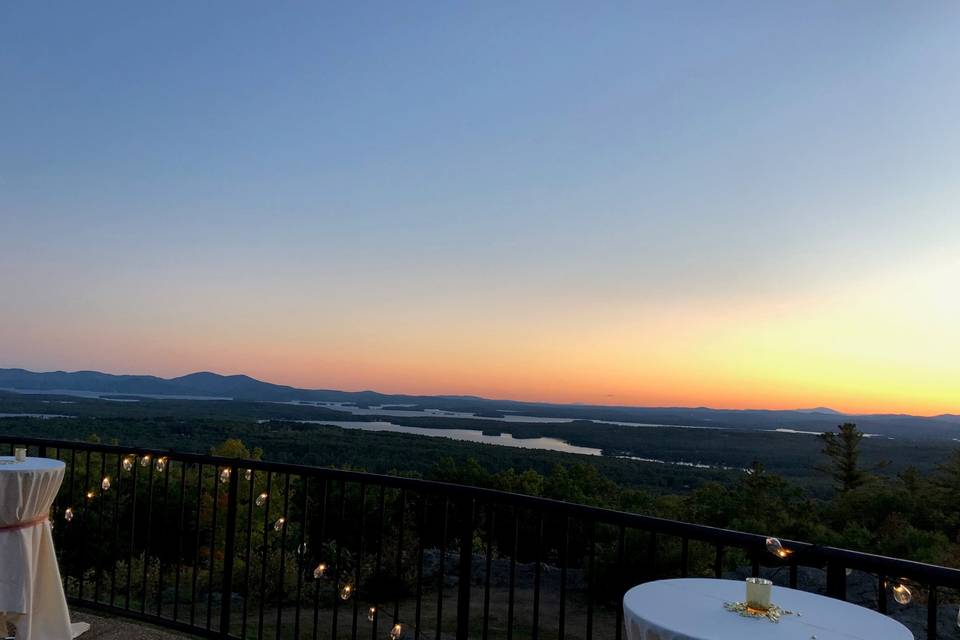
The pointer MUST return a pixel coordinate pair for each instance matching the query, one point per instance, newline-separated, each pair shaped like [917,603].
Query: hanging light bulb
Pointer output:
[371,613]
[396,631]
[161,463]
[68,514]
[301,548]
[262,499]
[775,547]
[91,494]
[278,525]
[145,461]
[901,593]
[248,474]
[128,463]
[319,571]
[105,483]
[225,475]
[346,590]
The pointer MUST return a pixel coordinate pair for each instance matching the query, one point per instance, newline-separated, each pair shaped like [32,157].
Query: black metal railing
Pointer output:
[230,548]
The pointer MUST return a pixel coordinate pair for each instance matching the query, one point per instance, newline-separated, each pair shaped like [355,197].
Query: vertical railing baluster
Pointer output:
[882,594]
[180,525]
[133,533]
[86,528]
[98,548]
[263,553]
[164,513]
[422,529]
[836,580]
[196,548]
[932,613]
[652,556]
[358,565]
[511,589]
[620,573]
[334,615]
[564,544]
[442,568]
[684,556]
[401,528]
[464,571]
[381,509]
[591,577]
[301,553]
[71,500]
[718,562]
[115,555]
[215,507]
[281,574]
[320,547]
[488,562]
[538,562]
[251,483]
[229,551]
[146,546]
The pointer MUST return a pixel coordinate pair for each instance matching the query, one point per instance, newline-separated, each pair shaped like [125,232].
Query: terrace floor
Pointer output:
[103,627]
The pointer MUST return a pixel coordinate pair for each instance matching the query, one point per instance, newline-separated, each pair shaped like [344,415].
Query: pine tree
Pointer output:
[843,450]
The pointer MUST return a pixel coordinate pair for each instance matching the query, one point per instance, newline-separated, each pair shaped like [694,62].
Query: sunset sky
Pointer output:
[654,203]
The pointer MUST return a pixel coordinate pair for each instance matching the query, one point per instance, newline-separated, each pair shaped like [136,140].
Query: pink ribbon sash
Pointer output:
[26,524]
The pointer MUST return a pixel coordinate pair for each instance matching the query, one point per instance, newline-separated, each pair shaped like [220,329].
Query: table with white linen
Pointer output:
[31,594]
[692,609]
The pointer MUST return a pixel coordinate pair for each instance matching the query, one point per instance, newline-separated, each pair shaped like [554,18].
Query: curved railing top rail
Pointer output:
[803,553]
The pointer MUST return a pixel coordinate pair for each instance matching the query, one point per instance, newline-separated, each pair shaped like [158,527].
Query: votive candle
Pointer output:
[758,593]
[20,453]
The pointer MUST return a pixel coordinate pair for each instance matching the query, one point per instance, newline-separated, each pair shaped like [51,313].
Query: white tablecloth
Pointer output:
[692,609]
[31,594]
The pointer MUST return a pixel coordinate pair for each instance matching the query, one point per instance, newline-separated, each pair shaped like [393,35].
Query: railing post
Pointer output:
[836,580]
[229,549]
[466,566]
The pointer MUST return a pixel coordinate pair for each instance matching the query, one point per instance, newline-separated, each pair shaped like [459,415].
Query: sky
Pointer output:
[729,204]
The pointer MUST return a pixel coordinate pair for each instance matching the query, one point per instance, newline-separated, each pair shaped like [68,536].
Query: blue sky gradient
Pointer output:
[251,186]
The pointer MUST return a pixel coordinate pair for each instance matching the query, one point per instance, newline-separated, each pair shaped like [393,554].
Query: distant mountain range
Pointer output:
[241,387]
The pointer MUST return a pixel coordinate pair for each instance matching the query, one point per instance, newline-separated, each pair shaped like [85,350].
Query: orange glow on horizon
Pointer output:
[886,345]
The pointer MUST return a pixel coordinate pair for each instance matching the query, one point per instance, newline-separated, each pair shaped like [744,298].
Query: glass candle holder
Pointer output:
[758,593]
[20,454]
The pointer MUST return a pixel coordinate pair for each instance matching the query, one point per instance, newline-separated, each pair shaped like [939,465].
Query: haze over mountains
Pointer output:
[241,387]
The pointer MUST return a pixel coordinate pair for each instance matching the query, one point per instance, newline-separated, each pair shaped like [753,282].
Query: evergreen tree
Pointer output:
[843,450]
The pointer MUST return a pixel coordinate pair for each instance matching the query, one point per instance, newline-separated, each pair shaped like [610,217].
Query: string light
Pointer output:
[145,461]
[161,463]
[68,514]
[302,548]
[90,494]
[319,571]
[346,591]
[371,613]
[105,483]
[279,524]
[396,631]
[262,499]
[901,593]
[775,547]
[225,475]
[248,474]
[128,463]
